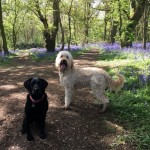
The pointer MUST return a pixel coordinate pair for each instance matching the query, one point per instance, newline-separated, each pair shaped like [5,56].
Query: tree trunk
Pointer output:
[56,20]
[120,20]
[86,21]
[14,37]
[49,41]
[69,24]
[62,35]
[128,35]
[75,31]
[105,27]
[6,52]
[113,31]
[145,24]
[1,43]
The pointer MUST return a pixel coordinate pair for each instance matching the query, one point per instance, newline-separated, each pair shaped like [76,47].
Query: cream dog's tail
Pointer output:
[115,85]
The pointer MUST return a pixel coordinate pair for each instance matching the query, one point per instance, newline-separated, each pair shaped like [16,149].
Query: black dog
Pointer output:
[36,106]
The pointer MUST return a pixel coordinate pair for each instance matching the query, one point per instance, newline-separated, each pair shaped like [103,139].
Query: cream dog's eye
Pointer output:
[61,56]
[67,57]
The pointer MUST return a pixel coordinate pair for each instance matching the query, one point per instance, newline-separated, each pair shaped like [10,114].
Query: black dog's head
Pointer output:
[36,87]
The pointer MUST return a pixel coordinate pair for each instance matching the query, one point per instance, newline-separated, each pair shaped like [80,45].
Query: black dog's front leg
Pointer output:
[27,127]
[42,128]
[23,130]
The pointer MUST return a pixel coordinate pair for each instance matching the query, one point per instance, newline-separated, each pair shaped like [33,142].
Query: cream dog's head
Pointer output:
[64,61]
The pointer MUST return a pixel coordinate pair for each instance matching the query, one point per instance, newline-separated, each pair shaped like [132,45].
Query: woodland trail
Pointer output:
[81,128]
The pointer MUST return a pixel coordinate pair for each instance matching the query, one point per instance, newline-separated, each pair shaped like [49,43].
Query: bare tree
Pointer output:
[49,35]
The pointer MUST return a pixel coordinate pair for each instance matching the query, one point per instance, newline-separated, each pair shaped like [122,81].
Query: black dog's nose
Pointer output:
[36,89]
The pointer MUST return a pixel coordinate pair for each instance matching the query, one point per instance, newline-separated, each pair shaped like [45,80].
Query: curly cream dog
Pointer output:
[97,79]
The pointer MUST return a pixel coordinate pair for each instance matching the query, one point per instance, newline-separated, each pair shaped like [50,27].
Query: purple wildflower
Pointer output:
[137,50]
[142,79]
[1,54]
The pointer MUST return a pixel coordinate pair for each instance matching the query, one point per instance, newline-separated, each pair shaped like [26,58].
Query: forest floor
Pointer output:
[81,128]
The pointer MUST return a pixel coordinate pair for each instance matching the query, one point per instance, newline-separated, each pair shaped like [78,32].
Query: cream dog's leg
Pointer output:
[101,97]
[99,93]
[68,96]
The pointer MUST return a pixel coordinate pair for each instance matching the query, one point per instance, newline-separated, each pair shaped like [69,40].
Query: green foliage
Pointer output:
[22,18]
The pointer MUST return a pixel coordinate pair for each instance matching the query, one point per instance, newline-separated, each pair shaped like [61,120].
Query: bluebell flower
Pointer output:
[137,50]
[1,54]
[142,79]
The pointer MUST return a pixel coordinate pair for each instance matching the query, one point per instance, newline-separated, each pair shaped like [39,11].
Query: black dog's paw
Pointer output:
[30,137]
[23,131]
[43,136]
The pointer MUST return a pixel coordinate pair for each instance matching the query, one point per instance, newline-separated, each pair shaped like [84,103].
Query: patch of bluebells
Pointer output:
[136,78]
[1,54]
[3,57]
[42,52]
[142,77]
[136,50]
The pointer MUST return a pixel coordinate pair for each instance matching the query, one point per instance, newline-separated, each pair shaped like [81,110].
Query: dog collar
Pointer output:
[36,101]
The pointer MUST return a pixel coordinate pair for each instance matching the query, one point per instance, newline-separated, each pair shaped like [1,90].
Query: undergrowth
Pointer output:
[131,106]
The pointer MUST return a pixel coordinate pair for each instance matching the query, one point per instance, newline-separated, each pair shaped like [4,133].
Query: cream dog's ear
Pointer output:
[57,62]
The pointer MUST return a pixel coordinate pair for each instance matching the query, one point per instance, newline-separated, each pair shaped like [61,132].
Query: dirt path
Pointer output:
[81,128]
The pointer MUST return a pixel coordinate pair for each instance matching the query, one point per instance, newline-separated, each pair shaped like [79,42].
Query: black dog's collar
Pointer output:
[37,101]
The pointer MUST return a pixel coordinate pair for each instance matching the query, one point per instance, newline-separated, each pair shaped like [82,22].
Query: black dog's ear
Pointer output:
[27,83]
[44,83]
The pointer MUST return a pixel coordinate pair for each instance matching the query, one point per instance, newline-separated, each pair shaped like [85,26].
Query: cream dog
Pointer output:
[72,77]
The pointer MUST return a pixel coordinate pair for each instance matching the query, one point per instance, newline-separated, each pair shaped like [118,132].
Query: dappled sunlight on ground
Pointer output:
[2,113]
[15,147]
[116,126]
[7,87]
